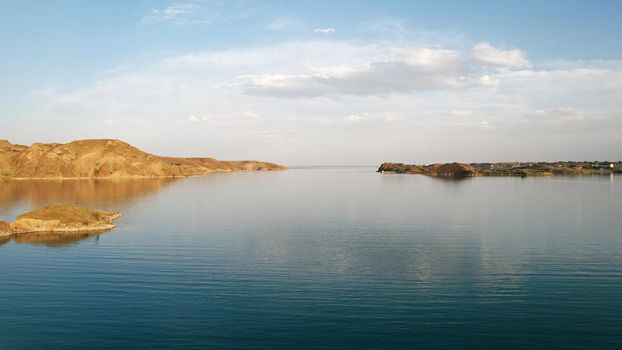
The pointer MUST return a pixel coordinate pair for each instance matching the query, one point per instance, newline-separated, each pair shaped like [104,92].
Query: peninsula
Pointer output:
[504,169]
[106,159]
[60,218]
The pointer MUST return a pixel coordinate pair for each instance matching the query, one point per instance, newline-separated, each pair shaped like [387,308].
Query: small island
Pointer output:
[521,169]
[61,219]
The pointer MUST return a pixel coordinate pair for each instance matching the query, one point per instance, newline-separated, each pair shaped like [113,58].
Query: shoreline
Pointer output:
[109,158]
[140,177]
[506,169]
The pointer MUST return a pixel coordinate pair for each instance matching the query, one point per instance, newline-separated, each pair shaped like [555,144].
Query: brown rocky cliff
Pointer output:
[106,159]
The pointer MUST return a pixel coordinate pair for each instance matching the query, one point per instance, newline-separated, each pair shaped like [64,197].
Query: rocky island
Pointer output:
[106,159]
[504,169]
[61,219]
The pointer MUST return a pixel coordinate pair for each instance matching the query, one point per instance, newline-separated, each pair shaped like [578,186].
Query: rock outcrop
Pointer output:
[106,159]
[401,168]
[452,170]
[57,225]
[64,218]
[504,169]
[440,170]
[5,229]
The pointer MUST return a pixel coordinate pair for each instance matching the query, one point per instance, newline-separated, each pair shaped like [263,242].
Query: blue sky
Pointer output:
[303,78]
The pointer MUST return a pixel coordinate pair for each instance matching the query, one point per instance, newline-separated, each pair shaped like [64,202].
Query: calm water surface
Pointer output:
[320,258]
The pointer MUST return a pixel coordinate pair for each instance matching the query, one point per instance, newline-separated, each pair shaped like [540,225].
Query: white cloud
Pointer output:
[377,78]
[355,103]
[180,13]
[197,12]
[108,121]
[388,25]
[460,112]
[398,70]
[498,58]
[324,30]
[284,58]
[115,70]
[354,117]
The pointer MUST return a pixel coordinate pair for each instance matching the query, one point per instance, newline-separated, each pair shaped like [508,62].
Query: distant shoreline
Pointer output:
[517,169]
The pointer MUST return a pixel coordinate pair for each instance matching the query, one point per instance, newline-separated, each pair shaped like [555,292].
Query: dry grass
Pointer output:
[69,214]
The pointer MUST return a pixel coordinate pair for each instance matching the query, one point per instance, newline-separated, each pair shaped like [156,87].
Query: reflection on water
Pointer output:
[19,196]
[52,239]
[329,259]
[46,191]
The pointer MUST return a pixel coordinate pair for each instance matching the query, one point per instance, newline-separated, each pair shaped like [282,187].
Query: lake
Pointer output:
[332,258]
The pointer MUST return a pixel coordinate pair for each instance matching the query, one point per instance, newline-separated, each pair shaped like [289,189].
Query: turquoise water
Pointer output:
[320,258]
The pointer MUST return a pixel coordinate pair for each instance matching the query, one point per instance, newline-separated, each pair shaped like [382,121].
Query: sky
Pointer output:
[318,82]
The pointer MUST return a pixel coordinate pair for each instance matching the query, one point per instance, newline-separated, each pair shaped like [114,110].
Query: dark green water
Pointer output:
[320,258]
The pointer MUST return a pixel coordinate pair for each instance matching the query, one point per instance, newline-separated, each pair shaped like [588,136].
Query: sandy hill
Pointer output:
[106,159]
